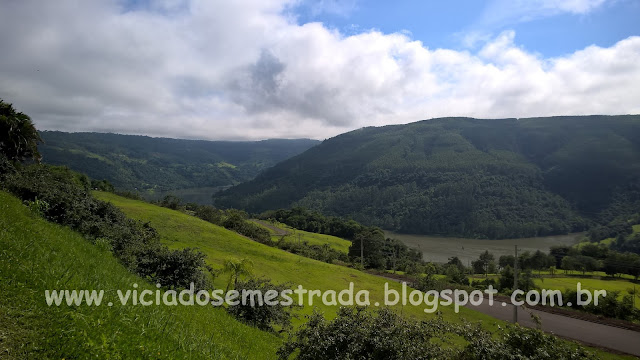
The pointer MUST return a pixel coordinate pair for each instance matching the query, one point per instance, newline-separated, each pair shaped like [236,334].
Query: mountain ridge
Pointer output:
[140,162]
[462,176]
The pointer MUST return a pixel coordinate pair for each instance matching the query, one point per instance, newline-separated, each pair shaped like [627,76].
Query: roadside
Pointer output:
[611,334]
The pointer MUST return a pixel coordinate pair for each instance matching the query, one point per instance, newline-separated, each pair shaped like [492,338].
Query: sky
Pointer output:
[258,69]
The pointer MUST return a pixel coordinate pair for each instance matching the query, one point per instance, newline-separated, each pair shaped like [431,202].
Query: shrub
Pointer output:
[171,201]
[176,268]
[262,315]
[63,196]
[357,333]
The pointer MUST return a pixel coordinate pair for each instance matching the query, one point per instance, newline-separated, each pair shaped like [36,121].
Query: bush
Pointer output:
[63,196]
[171,201]
[209,213]
[260,314]
[357,333]
[516,342]
[176,268]
[608,306]
[6,167]
[237,221]
[322,252]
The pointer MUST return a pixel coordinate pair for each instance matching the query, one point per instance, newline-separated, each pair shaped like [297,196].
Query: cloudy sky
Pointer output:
[256,69]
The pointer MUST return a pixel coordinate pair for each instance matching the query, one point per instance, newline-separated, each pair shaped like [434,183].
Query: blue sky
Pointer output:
[256,69]
[444,24]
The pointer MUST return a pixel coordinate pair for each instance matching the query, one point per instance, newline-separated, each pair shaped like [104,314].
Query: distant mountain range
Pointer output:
[464,177]
[158,164]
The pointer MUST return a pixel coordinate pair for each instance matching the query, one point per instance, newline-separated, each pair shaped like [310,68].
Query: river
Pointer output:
[440,249]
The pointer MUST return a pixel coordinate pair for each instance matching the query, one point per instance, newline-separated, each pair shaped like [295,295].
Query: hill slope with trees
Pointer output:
[144,163]
[464,177]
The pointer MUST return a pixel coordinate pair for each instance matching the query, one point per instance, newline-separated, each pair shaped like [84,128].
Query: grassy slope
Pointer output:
[179,230]
[312,238]
[36,255]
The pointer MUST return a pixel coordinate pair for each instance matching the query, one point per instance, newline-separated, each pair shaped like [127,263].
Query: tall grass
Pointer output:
[36,256]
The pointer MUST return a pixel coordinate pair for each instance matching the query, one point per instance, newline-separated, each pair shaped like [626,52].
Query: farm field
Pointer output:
[562,283]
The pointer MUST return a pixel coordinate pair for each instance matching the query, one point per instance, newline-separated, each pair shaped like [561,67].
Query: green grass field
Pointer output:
[311,238]
[591,284]
[36,255]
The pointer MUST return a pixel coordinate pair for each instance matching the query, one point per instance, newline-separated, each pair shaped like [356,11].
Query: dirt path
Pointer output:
[277,231]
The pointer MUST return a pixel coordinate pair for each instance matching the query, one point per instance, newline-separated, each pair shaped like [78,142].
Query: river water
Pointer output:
[440,249]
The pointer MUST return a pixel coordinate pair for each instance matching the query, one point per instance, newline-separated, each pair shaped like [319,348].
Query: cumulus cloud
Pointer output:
[247,70]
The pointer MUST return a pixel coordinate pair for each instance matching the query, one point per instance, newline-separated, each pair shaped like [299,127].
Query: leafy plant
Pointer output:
[18,136]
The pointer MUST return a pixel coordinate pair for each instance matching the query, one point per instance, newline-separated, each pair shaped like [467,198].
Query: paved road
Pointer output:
[590,333]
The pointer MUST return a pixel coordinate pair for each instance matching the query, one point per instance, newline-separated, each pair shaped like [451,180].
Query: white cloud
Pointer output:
[500,13]
[572,6]
[244,69]
[333,7]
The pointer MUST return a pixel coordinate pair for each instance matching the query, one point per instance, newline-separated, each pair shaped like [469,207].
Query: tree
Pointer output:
[18,136]
[484,263]
[457,262]
[506,278]
[372,242]
[236,268]
[456,276]
[506,260]
[579,263]
[171,201]
[525,279]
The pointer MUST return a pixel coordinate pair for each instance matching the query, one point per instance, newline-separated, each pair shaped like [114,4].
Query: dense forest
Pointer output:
[144,163]
[464,177]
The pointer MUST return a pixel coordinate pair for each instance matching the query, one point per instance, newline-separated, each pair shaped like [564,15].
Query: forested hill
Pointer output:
[144,163]
[465,177]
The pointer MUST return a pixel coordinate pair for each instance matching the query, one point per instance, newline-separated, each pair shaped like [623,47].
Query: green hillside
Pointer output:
[465,177]
[179,230]
[156,164]
[36,255]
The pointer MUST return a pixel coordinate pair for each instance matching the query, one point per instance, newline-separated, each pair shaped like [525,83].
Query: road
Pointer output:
[605,336]
[587,332]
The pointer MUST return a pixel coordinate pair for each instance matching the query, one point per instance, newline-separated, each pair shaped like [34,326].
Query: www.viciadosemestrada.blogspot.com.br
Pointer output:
[430,299]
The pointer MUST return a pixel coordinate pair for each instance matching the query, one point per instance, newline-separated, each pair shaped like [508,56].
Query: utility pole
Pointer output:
[362,252]
[515,285]
[395,257]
